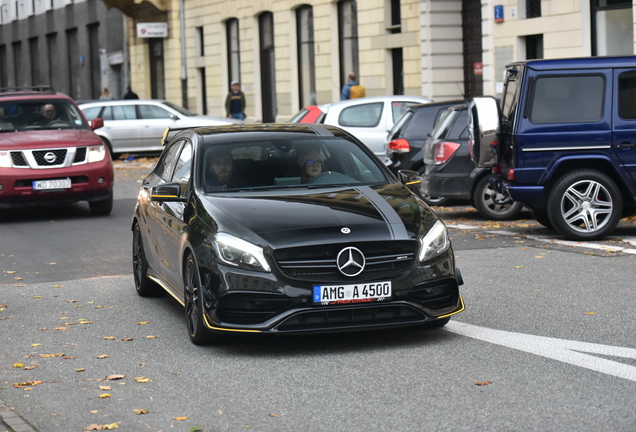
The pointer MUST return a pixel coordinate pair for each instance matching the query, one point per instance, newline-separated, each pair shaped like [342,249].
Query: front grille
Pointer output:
[60,155]
[250,308]
[350,317]
[318,263]
[18,159]
[80,155]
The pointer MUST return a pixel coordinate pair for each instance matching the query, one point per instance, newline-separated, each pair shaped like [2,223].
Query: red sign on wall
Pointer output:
[478,68]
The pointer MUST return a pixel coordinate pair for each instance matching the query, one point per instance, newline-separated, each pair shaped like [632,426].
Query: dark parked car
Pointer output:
[49,154]
[563,141]
[451,173]
[239,225]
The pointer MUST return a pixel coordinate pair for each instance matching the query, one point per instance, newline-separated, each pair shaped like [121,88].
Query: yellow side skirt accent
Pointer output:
[461,299]
[166,289]
[413,182]
[207,323]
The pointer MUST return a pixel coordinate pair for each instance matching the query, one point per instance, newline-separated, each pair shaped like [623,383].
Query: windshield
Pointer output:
[179,109]
[22,115]
[287,163]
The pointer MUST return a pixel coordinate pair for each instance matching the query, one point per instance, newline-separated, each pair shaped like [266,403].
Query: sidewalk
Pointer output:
[11,422]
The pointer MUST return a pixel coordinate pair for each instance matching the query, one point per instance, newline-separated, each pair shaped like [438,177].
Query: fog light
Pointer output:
[1,186]
[101,180]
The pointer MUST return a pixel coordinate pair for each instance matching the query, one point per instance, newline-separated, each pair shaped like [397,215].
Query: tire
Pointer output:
[493,205]
[103,207]
[199,334]
[145,286]
[429,200]
[585,205]
[437,323]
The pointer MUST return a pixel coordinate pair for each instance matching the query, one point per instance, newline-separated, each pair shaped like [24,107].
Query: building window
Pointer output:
[348,30]
[51,52]
[72,59]
[200,41]
[268,66]
[306,59]
[396,17]
[233,50]
[612,27]
[534,47]
[533,8]
[18,76]
[398,71]
[157,76]
[35,61]
[3,66]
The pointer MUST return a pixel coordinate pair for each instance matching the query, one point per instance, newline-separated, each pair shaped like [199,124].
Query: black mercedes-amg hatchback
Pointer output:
[289,228]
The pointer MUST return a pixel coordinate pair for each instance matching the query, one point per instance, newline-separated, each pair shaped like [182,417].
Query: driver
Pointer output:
[311,164]
[47,115]
[221,168]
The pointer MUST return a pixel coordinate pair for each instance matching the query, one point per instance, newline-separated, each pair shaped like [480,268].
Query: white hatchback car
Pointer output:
[369,119]
[137,125]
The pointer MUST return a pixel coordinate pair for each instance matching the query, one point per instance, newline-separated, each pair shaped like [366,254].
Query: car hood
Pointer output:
[296,218]
[47,138]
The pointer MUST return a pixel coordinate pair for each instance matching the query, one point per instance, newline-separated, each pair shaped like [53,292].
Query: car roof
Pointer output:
[578,63]
[122,102]
[30,93]
[448,103]
[233,132]
[397,98]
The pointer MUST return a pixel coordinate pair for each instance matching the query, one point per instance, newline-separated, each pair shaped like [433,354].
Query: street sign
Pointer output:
[152,30]
[499,13]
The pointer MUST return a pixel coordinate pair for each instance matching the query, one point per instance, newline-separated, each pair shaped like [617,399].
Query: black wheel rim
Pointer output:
[192,298]
[138,256]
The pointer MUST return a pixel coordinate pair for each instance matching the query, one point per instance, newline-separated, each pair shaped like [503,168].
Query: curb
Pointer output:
[12,422]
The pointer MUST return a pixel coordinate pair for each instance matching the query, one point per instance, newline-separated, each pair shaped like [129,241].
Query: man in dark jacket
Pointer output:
[235,102]
[130,94]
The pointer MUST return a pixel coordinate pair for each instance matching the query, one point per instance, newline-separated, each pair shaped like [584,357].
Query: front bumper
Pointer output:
[457,186]
[89,182]
[265,303]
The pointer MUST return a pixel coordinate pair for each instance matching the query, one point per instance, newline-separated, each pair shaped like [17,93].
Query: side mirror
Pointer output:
[97,123]
[170,192]
[174,117]
[410,179]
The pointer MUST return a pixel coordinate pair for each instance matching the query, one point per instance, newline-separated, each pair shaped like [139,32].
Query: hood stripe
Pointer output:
[394,222]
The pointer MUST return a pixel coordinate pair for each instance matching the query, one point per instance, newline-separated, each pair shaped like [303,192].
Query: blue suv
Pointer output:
[563,141]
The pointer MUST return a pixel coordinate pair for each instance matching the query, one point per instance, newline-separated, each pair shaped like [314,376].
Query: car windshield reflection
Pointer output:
[287,164]
[29,115]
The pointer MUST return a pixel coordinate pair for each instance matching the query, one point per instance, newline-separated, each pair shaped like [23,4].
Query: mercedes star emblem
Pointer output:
[350,261]
[345,230]
[50,157]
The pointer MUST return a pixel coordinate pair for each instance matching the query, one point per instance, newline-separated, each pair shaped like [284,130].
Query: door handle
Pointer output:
[625,144]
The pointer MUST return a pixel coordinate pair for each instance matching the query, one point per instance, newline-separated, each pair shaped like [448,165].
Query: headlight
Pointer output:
[96,153]
[435,242]
[5,159]
[239,253]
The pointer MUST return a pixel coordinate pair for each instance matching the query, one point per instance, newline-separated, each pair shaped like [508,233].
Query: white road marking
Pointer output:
[563,350]
[556,241]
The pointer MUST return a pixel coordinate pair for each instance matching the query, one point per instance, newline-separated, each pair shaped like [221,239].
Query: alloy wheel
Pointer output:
[586,206]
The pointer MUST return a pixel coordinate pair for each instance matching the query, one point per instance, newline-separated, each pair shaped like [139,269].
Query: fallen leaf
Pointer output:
[143,322]
[115,377]
[30,367]
[110,337]
[35,345]
[111,426]
[18,365]
[52,263]
[181,418]
[127,339]
[105,395]
[105,387]
[143,364]
[63,318]
[483,383]
[518,267]
[71,301]
[273,415]
[10,271]
[103,356]
[85,322]
[20,285]
[94,412]
[69,357]
[93,427]
[3,318]
[151,337]
[140,411]
[590,313]
[77,306]
[58,286]
[60,328]
[17,278]
[51,355]
[37,296]
[98,307]
[142,379]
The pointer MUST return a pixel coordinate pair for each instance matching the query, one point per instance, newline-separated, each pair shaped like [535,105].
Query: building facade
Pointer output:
[75,46]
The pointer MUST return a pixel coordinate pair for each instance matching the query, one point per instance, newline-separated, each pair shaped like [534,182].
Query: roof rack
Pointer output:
[31,89]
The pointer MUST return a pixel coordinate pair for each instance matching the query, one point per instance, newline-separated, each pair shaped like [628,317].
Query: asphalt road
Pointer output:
[578,372]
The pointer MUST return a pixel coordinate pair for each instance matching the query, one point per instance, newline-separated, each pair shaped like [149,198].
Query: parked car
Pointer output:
[368,119]
[452,174]
[405,141]
[311,114]
[563,141]
[137,125]
[226,224]
[49,154]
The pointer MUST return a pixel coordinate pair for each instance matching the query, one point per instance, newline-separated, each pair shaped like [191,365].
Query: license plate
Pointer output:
[359,293]
[52,184]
